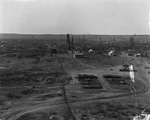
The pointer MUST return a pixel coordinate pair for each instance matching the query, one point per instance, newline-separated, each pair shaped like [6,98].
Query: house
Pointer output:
[143,54]
[131,52]
[138,55]
[112,53]
[90,50]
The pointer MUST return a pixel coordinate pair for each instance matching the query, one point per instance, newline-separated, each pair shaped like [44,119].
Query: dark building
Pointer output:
[54,50]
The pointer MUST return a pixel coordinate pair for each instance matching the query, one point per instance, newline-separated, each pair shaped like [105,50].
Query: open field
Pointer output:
[63,37]
[36,85]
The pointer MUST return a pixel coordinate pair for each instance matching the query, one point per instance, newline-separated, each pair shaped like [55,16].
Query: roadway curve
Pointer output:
[16,114]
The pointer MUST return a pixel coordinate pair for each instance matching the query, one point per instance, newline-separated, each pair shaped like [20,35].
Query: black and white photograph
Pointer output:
[74,59]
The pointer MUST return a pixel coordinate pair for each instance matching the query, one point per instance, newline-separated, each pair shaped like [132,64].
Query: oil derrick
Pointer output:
[131,42]
[79,38]
[113,39]
[72,43]
[100,40]
[60,37]
[145,54]
[100,43]
[83,39]
[107,40]
[68,42]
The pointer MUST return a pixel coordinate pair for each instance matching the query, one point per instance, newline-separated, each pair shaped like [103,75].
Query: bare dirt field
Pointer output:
[48,88]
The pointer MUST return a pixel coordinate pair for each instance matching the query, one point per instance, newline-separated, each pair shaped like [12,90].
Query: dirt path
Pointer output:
[66,102]
[105,84]
[64,78]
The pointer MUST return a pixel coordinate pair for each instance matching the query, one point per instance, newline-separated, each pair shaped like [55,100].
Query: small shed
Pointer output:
[110,53]
[53,49]
[90,50]
[131,52]
[138,55]
[79,55]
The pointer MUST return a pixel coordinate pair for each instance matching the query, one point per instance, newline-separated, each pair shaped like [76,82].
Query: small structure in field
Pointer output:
[91,51]
[116,80]
[143,116]
[89,81]
[125,68]
[110,53]
[54,50]
[131,52]
[138,55]
[78,55]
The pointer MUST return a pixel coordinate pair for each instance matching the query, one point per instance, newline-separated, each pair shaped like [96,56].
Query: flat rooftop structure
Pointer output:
[116,79]
[79,55]
[89,81]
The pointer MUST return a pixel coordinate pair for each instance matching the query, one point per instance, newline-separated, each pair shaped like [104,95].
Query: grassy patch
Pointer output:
[34,116]
[13,96]
[109,111]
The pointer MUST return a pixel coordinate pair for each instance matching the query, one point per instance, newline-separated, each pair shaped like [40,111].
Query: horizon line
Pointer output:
[69,33]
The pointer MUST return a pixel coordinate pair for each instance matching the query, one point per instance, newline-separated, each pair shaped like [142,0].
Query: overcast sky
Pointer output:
[75,16]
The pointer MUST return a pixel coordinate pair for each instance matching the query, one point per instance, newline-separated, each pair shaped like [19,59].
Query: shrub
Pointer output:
[12,96]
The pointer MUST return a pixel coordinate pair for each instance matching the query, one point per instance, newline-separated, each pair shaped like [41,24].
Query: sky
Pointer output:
[75,16]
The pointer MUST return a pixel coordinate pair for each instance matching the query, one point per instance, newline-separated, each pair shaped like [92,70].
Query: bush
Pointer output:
[12,96]
[34,116]
[28,91]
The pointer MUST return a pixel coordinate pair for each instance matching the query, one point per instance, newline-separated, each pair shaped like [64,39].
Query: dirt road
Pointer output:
[13,113]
